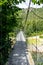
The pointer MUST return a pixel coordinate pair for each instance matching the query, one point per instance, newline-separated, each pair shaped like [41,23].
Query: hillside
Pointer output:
[35,15]
[39,13]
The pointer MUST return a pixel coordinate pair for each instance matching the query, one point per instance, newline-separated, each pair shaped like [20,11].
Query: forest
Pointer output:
[12,20]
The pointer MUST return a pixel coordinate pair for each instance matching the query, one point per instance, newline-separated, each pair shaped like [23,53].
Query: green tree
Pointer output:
[8,21]
[37,1]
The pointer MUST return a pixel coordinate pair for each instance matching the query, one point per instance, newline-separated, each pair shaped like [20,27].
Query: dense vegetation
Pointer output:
[12,19]
[38,58]
[34,22]
[8,24]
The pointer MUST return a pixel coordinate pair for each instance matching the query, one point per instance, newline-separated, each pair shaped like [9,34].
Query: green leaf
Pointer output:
[41,1]
[34,1]
[37,1]
[2,2]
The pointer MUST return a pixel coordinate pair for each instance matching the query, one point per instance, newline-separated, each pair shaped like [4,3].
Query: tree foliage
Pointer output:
[8,22]
[37,1]
[34,23]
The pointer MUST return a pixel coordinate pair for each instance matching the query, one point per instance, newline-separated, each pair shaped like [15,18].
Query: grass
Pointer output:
[41,36]
[34,40]
[38,58]
[38,33]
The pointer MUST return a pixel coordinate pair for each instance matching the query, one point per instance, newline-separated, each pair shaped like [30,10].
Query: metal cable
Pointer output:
[28,11]
[37,15]
[27,14]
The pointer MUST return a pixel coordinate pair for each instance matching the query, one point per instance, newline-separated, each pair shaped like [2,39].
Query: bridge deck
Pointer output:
[19,54]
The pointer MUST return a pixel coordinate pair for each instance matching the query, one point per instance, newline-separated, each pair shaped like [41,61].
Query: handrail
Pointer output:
[37,48]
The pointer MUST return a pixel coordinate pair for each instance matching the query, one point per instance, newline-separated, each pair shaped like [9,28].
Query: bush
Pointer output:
[41,36]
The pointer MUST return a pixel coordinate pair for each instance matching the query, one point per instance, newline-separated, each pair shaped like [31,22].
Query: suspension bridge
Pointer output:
[20,55]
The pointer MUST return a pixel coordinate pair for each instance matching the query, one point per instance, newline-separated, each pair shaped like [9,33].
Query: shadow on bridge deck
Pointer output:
[18,55]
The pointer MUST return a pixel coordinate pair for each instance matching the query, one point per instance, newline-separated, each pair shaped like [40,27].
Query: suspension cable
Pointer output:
[28,11]
[34,13]
[37,15]
[27,14]
[36,37]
